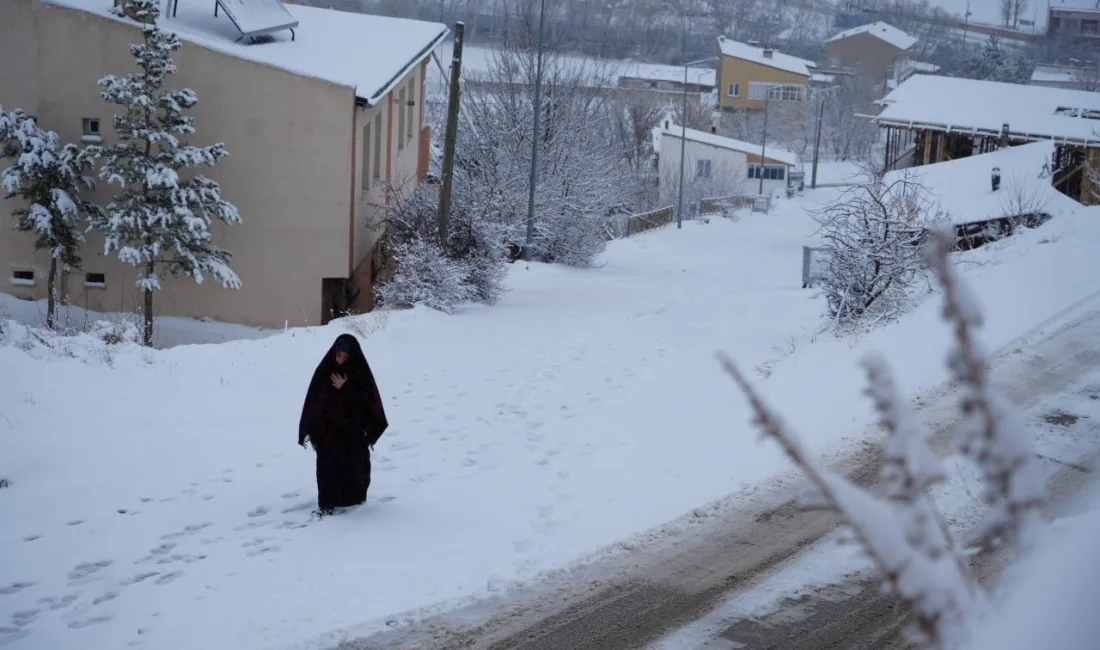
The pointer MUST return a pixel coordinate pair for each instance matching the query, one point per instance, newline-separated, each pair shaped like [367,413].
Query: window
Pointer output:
[377,168]
[1088,26]
[22,278]
[411,106]
[368,152]
[401,112]
[834,62]
[775,92]
[702,168]
[768,172]
[95,280]
[90,129]
[734,90]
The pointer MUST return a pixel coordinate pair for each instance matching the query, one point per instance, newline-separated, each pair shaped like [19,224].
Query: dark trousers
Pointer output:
[343,476]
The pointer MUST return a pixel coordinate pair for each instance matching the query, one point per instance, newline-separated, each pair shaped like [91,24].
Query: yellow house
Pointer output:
[747,74]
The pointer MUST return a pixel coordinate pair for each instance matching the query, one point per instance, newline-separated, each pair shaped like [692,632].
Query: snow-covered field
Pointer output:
[158,500]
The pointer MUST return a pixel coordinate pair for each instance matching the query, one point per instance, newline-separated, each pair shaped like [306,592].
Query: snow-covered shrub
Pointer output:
[116,332]
[994,62]
[901,530]
[470,269]
[47,178]
[872,239]
[582,172]
[425,275]
[160,219]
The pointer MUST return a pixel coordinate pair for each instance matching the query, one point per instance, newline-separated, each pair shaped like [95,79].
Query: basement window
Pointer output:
[91,130]
[22,278]
[95,280]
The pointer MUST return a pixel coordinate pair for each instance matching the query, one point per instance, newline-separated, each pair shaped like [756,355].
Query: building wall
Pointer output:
[729,172]
[292,170]
[743,72]
[1069,22]
[872,57]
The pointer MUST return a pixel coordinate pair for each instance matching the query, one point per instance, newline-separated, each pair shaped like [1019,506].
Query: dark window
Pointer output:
[91,126]
[95,278]
[23,275]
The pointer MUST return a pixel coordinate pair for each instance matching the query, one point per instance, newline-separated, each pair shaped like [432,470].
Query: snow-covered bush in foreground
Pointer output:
[872,238]
[470,269]
[901,530]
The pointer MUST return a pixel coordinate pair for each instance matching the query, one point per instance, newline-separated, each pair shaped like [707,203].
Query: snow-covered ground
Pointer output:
[168,331]
[158,500]
[1063,427]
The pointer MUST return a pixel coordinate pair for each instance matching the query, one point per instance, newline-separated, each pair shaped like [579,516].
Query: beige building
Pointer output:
[749,74]
[317,122]
[871,50]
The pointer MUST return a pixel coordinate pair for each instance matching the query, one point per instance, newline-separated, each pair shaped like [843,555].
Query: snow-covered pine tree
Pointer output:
[159,221]
[48,177]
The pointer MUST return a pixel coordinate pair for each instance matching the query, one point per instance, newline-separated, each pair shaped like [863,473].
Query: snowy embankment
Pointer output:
[159,501]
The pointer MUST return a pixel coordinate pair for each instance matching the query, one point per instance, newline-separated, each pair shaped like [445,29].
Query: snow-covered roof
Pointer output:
[368,53]
[962,189]
[778,60]
[882,31]
[670,73]
[968,105]
[821,77]
[1075,5]
[769,153]
[921,66]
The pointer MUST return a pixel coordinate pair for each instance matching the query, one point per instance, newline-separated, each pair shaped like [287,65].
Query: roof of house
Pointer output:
[671,73]
[961,189]
[880,30]
[778,60]
[368,53]
[1075,5]
[769,153]
[1031,112]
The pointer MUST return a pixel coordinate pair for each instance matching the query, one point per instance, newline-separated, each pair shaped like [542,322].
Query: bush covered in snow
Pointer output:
[470,269]
[583,172]
[100,342]
[872,245]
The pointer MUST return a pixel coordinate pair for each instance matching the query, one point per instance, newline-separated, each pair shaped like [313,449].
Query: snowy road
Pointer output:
[629,605]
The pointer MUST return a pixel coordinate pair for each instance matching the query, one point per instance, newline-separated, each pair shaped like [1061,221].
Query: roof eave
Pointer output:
[373,99]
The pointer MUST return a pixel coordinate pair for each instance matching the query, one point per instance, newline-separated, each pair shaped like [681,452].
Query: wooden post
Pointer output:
[450,138]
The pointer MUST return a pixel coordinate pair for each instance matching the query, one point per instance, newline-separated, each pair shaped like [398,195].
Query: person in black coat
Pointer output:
[342,418]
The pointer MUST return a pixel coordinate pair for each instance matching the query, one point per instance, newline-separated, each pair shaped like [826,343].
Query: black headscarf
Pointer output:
[328,414]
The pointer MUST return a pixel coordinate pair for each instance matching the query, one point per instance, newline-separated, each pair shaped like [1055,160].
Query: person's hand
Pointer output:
[338,381]
[302,442]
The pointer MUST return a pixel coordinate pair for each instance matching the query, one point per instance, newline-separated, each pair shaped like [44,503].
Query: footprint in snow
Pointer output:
[168,577]
[187,530]
[258,511]
[141,577]
[290,495]
[10,634]
[85,571]
[262,550]
[15,588]
[24,617]
[58,602]
[74,522]
[87,622]
[110,595]
[31,538]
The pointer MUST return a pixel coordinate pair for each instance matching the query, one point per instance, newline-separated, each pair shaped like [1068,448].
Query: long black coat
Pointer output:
[342,425]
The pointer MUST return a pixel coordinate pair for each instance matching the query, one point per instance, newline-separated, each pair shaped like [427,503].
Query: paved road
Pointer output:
[628,603]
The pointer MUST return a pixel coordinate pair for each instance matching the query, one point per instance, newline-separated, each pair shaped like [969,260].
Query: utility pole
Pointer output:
[764,143]
[683,126]
[535,142]
[450,137]
[817,138]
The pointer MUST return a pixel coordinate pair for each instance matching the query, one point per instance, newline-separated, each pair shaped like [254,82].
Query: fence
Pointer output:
[723,203]
[632,224]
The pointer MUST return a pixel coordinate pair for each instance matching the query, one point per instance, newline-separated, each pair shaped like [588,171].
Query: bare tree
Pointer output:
[872,236]
[901,530]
